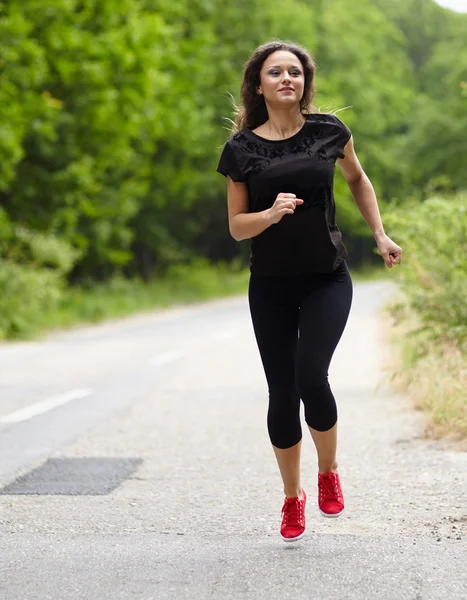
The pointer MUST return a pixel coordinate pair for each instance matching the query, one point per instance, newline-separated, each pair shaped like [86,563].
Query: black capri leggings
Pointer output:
[298,322]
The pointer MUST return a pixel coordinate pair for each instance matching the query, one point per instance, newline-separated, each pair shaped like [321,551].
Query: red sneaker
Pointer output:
[330,497]
[293,521]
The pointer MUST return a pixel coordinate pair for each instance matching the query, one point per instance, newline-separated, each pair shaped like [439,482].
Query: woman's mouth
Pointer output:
[286,90]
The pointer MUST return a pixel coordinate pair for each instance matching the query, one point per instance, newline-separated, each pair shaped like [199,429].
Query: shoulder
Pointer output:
[232,161]
[238,139]
[241,143]
[233,145]
[333,128]
[327,119]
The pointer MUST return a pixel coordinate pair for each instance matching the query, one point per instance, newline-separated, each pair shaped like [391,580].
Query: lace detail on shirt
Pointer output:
[262,153]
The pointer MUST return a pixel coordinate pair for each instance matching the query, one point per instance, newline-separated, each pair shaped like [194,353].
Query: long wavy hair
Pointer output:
[252,111]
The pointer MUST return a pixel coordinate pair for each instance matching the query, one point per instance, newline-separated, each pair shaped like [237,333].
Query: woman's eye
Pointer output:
[293,73]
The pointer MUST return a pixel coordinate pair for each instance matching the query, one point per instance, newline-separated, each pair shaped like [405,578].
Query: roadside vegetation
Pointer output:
[27,316]
[429,323]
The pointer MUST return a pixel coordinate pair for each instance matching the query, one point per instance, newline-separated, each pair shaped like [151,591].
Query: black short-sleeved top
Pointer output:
[309,240]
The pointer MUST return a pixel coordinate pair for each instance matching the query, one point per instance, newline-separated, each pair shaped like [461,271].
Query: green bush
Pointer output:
[33,267]
[433,235]
[26,294]
[36,300]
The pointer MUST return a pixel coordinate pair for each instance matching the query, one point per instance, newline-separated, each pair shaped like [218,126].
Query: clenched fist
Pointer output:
[284,204]
[389,250]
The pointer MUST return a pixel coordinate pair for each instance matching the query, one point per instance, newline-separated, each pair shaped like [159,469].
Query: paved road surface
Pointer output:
[135,463]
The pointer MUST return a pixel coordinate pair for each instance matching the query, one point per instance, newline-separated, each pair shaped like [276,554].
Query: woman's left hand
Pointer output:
[389,250]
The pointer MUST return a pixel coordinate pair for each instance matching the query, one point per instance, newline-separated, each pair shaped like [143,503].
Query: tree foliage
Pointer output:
[114,114]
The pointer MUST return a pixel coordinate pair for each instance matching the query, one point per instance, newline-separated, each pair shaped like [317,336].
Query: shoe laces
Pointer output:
[329,488]
[292,511]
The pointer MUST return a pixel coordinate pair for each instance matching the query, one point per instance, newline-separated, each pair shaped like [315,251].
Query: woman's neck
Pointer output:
[282,124]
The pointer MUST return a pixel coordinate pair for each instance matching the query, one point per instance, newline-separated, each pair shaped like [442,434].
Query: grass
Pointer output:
[433,373]
[120,297]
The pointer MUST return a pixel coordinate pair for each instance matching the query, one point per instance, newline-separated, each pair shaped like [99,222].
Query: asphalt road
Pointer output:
[135,463]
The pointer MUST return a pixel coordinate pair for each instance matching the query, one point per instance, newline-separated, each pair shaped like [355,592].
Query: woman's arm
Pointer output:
[243,224]
[365,198]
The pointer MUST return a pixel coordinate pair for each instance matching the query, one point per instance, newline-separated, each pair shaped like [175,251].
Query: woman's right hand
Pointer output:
[284,204]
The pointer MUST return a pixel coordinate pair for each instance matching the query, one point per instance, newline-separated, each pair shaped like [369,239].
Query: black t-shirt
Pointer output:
[309,240]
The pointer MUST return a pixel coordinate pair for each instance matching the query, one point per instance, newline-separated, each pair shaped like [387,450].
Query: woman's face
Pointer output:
[282,79]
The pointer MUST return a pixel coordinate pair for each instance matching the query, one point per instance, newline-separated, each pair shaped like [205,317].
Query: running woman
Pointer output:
[280,164]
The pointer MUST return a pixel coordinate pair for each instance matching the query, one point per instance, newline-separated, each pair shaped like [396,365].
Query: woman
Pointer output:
[280,165]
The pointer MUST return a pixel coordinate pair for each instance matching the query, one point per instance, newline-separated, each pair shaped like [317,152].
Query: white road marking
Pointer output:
[43,406]
[163,359]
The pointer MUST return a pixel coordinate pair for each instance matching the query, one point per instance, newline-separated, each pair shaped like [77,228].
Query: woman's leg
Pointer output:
[275,321]
[323,316]
[326,448]
[288,460]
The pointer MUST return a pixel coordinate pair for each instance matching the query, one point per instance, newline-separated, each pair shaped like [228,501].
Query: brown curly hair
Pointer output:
[252,111]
